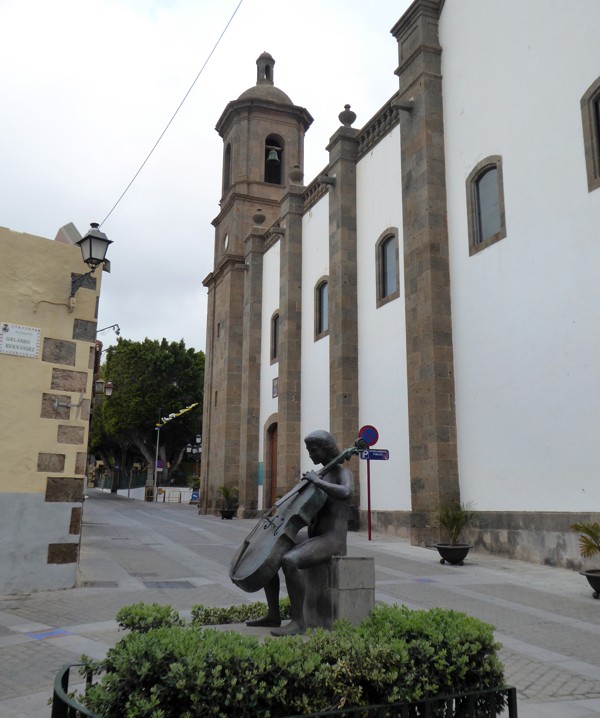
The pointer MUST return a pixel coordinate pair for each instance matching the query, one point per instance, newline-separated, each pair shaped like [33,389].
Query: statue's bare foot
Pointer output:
[268,621]
[292,629]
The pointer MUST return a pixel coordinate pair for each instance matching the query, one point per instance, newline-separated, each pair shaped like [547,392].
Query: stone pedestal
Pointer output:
[344,587]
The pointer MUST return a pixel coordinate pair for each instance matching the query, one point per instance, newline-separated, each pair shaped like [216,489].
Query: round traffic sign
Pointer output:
[369,434]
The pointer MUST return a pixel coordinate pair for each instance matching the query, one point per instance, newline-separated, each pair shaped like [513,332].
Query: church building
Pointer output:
[438,280]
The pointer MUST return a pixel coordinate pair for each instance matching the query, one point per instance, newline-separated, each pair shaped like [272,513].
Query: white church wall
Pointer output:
[315,354]
[381,331]
[526,309]
[268,371]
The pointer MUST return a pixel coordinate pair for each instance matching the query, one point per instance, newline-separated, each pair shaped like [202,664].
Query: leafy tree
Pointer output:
[151,380]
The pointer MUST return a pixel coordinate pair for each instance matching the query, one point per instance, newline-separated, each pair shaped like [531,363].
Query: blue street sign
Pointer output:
[375,454]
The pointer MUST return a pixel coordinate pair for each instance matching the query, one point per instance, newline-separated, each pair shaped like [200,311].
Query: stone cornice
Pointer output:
[315,190]
[237,196]
[235,106]
[378,126]
[433,8]
[273,235]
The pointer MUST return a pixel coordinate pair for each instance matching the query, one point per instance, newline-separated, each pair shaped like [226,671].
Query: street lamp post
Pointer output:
[155,482]
[195,452]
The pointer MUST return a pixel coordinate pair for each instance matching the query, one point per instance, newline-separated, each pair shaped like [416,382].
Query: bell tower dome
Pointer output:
[263,139]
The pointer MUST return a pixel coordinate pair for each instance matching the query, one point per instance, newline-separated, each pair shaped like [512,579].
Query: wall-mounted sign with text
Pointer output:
[19,341]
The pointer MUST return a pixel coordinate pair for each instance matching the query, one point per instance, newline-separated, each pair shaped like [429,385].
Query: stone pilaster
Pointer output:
[432,421]
[290,303]
[251,355]
[205,466]
[223,381]
[343,311]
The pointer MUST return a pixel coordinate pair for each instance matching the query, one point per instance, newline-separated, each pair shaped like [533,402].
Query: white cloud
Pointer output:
[89,85]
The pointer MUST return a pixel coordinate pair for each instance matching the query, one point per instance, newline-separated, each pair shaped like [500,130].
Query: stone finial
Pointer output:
[347,117]
[264,69]
[296,175]
[258,217]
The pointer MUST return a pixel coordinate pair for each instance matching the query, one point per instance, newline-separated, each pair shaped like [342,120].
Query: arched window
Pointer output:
[274,159]
[590,115]
[485,204]
[321,308]
[275,338]
[387,267]
[227,168]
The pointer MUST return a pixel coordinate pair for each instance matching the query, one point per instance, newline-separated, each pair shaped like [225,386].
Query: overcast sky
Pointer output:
[88,86]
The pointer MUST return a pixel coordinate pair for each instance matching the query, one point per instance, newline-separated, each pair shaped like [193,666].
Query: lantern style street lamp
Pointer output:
[195,451]
[94,246]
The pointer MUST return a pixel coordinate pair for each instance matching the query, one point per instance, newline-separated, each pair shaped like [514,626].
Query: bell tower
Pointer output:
[263,142]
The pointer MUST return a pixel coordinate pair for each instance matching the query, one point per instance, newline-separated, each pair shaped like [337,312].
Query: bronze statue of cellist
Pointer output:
[326,536]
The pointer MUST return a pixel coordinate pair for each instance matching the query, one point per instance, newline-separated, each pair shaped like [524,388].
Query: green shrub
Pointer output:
[144,617]
[214,615]
[395,655]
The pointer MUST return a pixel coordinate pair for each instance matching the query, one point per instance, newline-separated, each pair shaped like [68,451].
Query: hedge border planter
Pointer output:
[467,705]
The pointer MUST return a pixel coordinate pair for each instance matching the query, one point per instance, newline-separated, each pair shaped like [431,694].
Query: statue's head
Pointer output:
[324,440]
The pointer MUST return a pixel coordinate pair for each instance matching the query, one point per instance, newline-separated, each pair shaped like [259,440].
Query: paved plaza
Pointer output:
[545,618]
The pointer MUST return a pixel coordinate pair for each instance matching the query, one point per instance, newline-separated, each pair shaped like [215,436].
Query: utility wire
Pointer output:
[210,54]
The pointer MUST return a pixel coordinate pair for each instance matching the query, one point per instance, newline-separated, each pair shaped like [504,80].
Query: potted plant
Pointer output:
[589,545]
[454,518]
[230,503]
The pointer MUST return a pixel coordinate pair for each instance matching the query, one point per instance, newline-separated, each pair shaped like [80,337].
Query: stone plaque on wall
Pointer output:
[19,340]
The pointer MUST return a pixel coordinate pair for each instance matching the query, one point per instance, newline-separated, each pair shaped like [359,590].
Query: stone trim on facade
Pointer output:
[430,363]
[290,347]
[590,117]
[63,552]
[64,489]
[381,124]
[59,351]
[67,380]
[75,523]
[315,191]
[48,411]
[70,434]
[84,330]
[54,463]
[343,304]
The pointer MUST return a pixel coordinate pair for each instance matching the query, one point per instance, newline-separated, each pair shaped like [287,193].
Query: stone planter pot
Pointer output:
[593,577]
[453,554]
[228,513]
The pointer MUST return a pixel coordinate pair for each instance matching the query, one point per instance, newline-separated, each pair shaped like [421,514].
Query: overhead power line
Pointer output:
[162,134]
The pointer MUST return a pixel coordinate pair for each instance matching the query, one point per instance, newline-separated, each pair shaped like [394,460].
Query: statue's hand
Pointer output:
[310,476]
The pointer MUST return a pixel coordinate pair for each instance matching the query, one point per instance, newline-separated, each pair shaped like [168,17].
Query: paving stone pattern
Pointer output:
[545,618]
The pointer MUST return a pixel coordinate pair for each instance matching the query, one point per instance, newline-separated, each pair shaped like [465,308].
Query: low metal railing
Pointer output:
[477,704]
[63,706]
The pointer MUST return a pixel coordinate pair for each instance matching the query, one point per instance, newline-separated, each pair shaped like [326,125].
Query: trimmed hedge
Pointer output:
[397,654]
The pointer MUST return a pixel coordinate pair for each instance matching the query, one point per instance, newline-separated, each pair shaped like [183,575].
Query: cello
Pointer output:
[259,557]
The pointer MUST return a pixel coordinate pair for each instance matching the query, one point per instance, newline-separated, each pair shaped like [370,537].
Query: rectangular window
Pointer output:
[488,205]
[274,338]
[321,309]
[388,262]
[387,267]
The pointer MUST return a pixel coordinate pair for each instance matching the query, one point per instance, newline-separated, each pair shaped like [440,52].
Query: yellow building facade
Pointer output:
[47,355]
